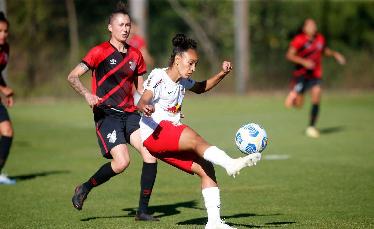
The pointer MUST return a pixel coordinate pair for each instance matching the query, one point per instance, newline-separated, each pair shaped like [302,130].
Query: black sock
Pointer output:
[314,114]
[147,181]
[101,176]
[5,144]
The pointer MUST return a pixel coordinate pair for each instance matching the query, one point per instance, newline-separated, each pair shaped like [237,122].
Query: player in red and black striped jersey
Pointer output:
[306,51]
[6,128]
[116,68]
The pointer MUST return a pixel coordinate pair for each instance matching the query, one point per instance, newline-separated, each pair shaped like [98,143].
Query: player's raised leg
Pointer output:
[190,140]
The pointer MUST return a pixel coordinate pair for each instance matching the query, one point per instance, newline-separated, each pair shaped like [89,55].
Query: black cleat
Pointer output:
[145,217]
[80,194]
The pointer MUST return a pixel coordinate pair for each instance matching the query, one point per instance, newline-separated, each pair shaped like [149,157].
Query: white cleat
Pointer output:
[241,162]
[4,179]
[218,225]
[312,132]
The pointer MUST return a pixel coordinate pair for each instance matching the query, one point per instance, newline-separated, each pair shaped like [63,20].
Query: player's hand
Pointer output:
[226,67]
[92,99]
[308,64]
[340,58]
[148,110]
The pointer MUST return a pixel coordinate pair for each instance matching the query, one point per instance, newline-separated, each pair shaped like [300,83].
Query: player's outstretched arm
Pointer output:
[144,103]
[337,55]
[291,56]
[77,85]
[206,85]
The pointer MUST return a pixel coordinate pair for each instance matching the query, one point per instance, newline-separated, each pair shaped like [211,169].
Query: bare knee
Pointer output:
[6,129]
[119,165]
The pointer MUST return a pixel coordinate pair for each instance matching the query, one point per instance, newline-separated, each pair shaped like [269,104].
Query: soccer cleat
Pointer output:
[312,132]
[4,179]
[218,225]
[241,162]
[80,194]
[145,217]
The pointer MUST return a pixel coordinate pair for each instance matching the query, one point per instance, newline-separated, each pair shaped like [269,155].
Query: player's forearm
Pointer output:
[77,85]
[212,82]
[295,59]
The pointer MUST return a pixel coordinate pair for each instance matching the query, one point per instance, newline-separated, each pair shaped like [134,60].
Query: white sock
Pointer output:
[217,156]
[212,203]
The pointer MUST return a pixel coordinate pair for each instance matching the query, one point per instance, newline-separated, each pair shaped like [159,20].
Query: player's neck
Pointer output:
[121,47]
[173,74]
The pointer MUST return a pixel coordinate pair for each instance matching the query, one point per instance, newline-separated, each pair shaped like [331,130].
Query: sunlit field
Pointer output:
[300,183]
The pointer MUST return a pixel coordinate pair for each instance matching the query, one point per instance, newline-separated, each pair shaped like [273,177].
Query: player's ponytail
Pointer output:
[121,8]
[181,44]
[3,18]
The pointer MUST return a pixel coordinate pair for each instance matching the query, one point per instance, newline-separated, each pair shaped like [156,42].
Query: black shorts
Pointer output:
[302,84]
[4,116]
[114,128]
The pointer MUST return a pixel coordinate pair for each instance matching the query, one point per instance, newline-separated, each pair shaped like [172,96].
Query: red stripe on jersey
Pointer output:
[111,92]
[123,62]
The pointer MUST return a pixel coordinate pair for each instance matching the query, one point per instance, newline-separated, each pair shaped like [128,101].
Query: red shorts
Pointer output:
[164,144]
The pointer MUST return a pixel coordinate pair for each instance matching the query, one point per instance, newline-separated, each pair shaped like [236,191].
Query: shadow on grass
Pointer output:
[202,221]
[35,175]
[331,130]
[159,211]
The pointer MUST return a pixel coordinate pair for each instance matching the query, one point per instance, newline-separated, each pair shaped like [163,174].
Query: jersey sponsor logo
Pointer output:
[174,109]
[132,65]
[112,136]
[158,83]
[113,61]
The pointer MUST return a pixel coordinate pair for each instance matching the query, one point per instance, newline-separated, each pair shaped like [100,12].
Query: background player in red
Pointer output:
[175,143]
[6,129]
[306,50]
[137,41]
[116,67]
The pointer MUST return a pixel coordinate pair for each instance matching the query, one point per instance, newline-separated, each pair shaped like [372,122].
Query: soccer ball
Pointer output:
[251,138]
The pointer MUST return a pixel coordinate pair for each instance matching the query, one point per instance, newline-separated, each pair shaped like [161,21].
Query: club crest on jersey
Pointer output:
[112,136]
[132,65]
[113,61]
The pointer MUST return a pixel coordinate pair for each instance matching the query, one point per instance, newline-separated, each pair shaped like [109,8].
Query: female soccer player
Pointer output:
[175,143]
[306,51]
[6,129]
[115,67]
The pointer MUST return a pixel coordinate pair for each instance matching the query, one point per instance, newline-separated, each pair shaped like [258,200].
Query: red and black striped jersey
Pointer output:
[4,56]
[113,74]
[311,49]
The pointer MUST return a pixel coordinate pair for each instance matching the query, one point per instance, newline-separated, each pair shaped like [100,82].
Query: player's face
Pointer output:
[3,32]
[310,27]
[186,63]
[120,27]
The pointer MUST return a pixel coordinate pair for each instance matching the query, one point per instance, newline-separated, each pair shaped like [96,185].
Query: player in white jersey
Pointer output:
[175,143]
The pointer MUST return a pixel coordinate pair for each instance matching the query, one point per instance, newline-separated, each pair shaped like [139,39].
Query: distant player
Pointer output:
[6,128]
[116,67]
[306,50]
[175,143]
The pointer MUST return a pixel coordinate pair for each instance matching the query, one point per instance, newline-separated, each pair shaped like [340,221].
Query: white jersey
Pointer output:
[167,100]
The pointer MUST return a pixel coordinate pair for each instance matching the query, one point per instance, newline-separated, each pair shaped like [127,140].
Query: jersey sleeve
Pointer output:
[153,83]
[91,58]
[141,67]
[188,83]
[2,81]
[296,42]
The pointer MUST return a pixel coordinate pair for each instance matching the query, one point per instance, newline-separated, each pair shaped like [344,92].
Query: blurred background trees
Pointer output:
[49,37]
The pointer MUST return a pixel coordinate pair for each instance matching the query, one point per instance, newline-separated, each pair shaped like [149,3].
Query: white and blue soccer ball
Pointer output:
[251,138]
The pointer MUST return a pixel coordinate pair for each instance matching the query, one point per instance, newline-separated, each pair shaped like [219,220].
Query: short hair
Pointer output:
[121,8]
[181,43]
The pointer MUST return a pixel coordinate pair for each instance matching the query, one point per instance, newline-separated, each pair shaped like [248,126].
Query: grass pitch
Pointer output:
[300,183]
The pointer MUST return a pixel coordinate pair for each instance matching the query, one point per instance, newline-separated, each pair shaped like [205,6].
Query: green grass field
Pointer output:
[322,183]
